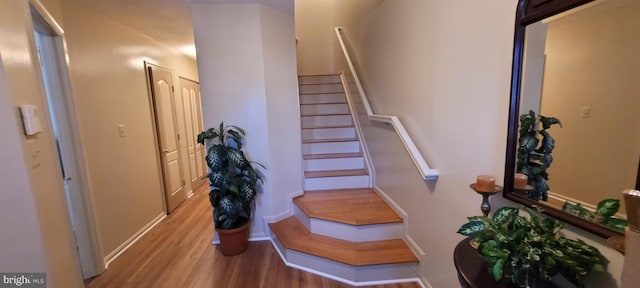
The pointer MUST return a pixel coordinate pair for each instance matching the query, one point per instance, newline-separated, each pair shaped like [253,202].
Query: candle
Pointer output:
[486,183]
[520,181]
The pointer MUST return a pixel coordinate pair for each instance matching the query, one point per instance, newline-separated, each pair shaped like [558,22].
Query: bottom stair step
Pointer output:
[294,235]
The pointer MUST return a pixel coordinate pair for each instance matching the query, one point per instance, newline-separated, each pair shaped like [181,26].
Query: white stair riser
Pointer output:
[340,182]
[333,120]
[324,88]
[331,147]
[322,98]
[352,275]
[353,233]
[329,133]
[333,164]
[319,79]
[320,109]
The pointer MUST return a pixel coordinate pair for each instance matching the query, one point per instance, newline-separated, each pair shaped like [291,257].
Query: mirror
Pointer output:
[578,61]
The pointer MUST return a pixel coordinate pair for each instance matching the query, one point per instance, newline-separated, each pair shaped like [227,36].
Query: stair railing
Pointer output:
[427,173]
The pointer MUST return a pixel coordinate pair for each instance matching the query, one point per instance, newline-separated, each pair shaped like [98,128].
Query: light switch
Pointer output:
[30,119]
[585,112]
[122,131]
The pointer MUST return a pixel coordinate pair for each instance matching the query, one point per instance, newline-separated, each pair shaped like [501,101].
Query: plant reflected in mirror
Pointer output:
[534,152]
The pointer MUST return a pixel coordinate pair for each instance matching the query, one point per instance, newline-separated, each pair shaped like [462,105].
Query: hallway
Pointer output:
[178,253]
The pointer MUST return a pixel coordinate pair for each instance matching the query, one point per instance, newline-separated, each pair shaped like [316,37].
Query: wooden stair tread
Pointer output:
[329,127]
[331,155]
[326,114]
[324,103]
[316,93]
[306,141]
[349,206]
[293,235]
[335,173]
[312,75]
[328,92]
[326,83]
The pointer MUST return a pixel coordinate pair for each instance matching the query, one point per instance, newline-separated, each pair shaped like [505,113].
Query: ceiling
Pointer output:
[167,21]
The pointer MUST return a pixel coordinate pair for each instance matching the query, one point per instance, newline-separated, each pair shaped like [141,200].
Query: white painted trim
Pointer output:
[57,29]
[396,208]
[285,214]
[427,173]
[405,218]
[424,283]
[133,239]
[345,281]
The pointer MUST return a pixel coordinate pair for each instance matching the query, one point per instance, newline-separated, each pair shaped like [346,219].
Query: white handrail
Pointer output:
[426,172]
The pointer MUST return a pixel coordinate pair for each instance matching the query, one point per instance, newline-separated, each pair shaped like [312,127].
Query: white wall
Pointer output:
[283,109]
[37,201]
[22,248]
[444,68]
[314,31]
[246,63]
[106,63]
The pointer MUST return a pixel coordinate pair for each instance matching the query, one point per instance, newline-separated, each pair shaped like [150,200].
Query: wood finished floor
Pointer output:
[178,253]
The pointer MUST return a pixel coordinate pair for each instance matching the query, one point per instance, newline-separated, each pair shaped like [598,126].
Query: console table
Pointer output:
[472,269]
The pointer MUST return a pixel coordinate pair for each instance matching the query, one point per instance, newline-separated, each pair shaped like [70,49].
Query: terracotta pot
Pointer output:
[234,241]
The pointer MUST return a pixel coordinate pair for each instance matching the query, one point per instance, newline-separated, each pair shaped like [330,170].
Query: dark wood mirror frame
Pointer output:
[528,12]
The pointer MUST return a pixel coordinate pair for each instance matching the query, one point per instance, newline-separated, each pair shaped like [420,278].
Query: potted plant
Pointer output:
[534,154]
[233,183]
[528,250]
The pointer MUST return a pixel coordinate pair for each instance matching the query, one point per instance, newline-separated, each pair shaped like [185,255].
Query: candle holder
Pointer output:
[486,206]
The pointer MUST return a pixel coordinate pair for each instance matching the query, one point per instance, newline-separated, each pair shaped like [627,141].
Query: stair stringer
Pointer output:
[356,124]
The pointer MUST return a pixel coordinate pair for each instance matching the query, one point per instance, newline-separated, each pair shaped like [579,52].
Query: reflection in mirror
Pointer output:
[583,67]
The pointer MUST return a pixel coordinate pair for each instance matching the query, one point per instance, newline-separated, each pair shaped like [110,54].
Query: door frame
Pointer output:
[80,208]
[156,136]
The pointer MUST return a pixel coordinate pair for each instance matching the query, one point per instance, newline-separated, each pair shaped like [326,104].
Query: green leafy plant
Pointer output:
[232,177]
[534,153]
[603,215]
[529,249]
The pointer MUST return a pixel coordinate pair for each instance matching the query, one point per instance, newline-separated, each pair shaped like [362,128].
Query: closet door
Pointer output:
[190,93]
[162,92]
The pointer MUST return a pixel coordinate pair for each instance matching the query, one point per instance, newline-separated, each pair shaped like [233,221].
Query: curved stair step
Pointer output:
[294,235]
[349,206]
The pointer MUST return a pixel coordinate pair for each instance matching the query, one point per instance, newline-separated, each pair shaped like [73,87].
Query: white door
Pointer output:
[192,113]
[167,131]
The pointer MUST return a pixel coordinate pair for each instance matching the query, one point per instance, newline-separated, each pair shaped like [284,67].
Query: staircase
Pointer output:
[341,228]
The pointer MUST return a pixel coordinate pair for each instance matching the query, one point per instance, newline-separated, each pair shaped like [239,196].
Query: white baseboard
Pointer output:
[285,214]
[132,240]
[424,283]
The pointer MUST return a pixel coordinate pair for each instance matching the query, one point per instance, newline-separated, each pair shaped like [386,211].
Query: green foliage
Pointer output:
[526,248]
[534,153]
[232,177]
[603,215]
